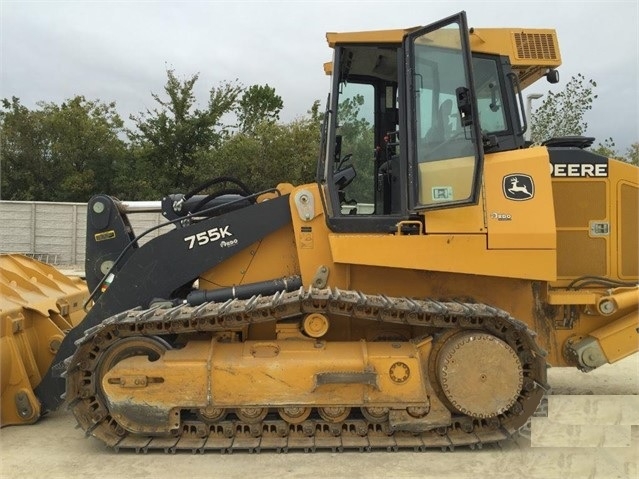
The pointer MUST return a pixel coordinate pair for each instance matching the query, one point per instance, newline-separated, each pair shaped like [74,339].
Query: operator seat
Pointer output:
[442,128]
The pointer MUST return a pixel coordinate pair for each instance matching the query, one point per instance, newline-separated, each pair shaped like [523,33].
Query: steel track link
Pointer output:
[84,400]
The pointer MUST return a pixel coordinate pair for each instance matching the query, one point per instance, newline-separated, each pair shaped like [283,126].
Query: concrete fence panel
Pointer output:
[56,232]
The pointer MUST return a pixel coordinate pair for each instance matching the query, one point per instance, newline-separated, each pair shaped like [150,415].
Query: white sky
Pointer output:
[119,51]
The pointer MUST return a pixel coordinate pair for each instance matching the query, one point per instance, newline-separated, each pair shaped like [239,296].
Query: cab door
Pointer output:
[444,145]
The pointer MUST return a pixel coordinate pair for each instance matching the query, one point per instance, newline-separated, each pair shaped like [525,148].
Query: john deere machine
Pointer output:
[412,297]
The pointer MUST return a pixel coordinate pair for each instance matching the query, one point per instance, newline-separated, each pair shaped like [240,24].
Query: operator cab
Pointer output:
[409,119]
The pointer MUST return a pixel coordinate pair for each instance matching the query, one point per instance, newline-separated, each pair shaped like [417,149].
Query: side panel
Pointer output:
[519,201]
[455,253]
[272,257]
[628,224]
[580,204]
[596,205]
[452,252]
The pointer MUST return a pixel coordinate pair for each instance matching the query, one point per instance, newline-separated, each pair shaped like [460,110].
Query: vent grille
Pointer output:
[629,225]
[579,202]
[579,255]
[535,46]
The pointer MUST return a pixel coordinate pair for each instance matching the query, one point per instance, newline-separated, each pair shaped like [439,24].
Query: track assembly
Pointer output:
[465,400]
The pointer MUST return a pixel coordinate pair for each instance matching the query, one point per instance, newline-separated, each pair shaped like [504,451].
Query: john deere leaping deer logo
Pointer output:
[518,187]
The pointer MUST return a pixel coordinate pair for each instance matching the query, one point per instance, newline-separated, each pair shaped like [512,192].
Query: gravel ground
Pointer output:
[52,448]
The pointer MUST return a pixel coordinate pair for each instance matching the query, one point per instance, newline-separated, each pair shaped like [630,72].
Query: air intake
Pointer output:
[535,46]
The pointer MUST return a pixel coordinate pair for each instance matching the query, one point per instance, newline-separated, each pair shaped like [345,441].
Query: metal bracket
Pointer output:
[23,405]
[305,204]
[587,352]
[321,277]
[599,228]
[570,315]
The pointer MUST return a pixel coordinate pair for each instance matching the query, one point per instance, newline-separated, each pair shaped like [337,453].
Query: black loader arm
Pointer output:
[109,233]
[160,267]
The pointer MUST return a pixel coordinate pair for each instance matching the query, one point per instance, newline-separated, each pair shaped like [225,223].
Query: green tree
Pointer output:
[64,152]
[272,153]
[258,104]
[562,113]
[358,139]
[607,149]
[170,138]
[632,155]
[24,150]
[86,146]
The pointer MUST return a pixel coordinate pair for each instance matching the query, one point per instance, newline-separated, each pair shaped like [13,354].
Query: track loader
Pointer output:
[412,297]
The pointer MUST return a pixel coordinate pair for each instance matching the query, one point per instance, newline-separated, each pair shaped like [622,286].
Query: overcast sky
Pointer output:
[119,51]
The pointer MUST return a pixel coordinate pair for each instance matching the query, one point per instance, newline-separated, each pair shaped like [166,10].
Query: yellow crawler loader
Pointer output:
[411,298]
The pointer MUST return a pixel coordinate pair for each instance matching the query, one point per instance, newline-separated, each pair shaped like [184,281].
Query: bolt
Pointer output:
[54,345]
[98,207]
[607,307]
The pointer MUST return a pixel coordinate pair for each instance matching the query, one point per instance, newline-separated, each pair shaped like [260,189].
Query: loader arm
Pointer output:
[161,267]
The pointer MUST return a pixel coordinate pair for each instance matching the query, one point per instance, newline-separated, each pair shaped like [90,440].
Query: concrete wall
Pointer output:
[56,232]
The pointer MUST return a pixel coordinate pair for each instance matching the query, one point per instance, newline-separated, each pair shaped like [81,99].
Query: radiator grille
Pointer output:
[580,255]
[535,46]
[628,225]
[579,202]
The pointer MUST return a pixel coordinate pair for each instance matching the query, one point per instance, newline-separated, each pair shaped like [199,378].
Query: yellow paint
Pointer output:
[453,173]
[532,51]
[619,339]
[528,224]
[271,374]
[446,253]
[37,305]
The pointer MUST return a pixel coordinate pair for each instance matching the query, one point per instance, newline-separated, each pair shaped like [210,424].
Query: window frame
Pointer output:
[410,103]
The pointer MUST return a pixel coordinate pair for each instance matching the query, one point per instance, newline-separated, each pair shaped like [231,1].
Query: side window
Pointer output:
[445,150]
[354,170]
[489,97]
